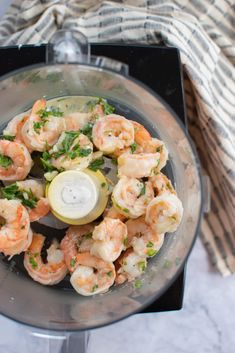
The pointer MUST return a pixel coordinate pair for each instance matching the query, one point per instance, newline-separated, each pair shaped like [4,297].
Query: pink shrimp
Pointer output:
[15,160]
[48,273]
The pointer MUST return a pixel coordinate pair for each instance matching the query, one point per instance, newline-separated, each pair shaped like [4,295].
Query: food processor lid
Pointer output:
[71,46]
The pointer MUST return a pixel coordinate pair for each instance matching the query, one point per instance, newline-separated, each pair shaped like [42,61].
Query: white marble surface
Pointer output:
[205,324]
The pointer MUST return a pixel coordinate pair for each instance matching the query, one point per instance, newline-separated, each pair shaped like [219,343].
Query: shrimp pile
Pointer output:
[143,205]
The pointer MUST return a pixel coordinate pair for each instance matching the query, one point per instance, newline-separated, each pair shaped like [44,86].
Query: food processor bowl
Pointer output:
[59,307]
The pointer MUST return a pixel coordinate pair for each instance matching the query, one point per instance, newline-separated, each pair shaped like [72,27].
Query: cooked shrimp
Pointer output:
[164,213]
[76,155]
[161,184]
[15,234]
[77,239]
[109,239]
[14,127]
[92,275]
[155,145]
[74,121]
[144,240]
[39,131]
[112,132]
[141,137]
[137,165]
[15,160]
[51,272]
[37,190]
[131,196]
[113,213]
[129,266]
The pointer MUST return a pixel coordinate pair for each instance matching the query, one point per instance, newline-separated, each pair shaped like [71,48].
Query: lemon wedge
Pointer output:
[78,197]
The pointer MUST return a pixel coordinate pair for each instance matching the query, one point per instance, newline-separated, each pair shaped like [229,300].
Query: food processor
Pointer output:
[71,70]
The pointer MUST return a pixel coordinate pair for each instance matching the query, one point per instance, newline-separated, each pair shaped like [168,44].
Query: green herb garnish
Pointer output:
[37,125]
[73,262]
[125,210]
[142,265]
[103,185]
[96,164]
[33,262]
[94,288]
[44,114]
[27,198]
[109,273]
[169,186]
[108,109]
[87,130]
[159,149]
[138,284]
[114,161]
[151,252]
[143,190]
[125,241]
[88,236]
[5,161]
[150,244]
[133,147]
[45,159]
[7,137]
[54,111]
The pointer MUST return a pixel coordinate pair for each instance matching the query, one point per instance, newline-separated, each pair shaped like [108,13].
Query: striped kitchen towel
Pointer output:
[203,31]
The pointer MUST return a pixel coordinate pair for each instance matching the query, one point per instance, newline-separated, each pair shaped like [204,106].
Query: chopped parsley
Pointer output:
[125,241]
[88,236]
[125,210]
[109,273]
[27,198]
[76,151]
[150,244]
[44,114]
[159,149]
[169,186]
[151,252]
[54,111]
[133,147]
[143,190]
[87,130]
[73,262]
[138,284]
[5,161]
[7,137]
[94,288]
[37,125]
[174,218]
[33,262]
[114,161]
[103,185]
[96,164]
[108,109]
[142,265]
[45,159]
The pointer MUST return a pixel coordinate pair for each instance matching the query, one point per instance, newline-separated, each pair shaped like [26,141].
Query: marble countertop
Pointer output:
[205,324]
